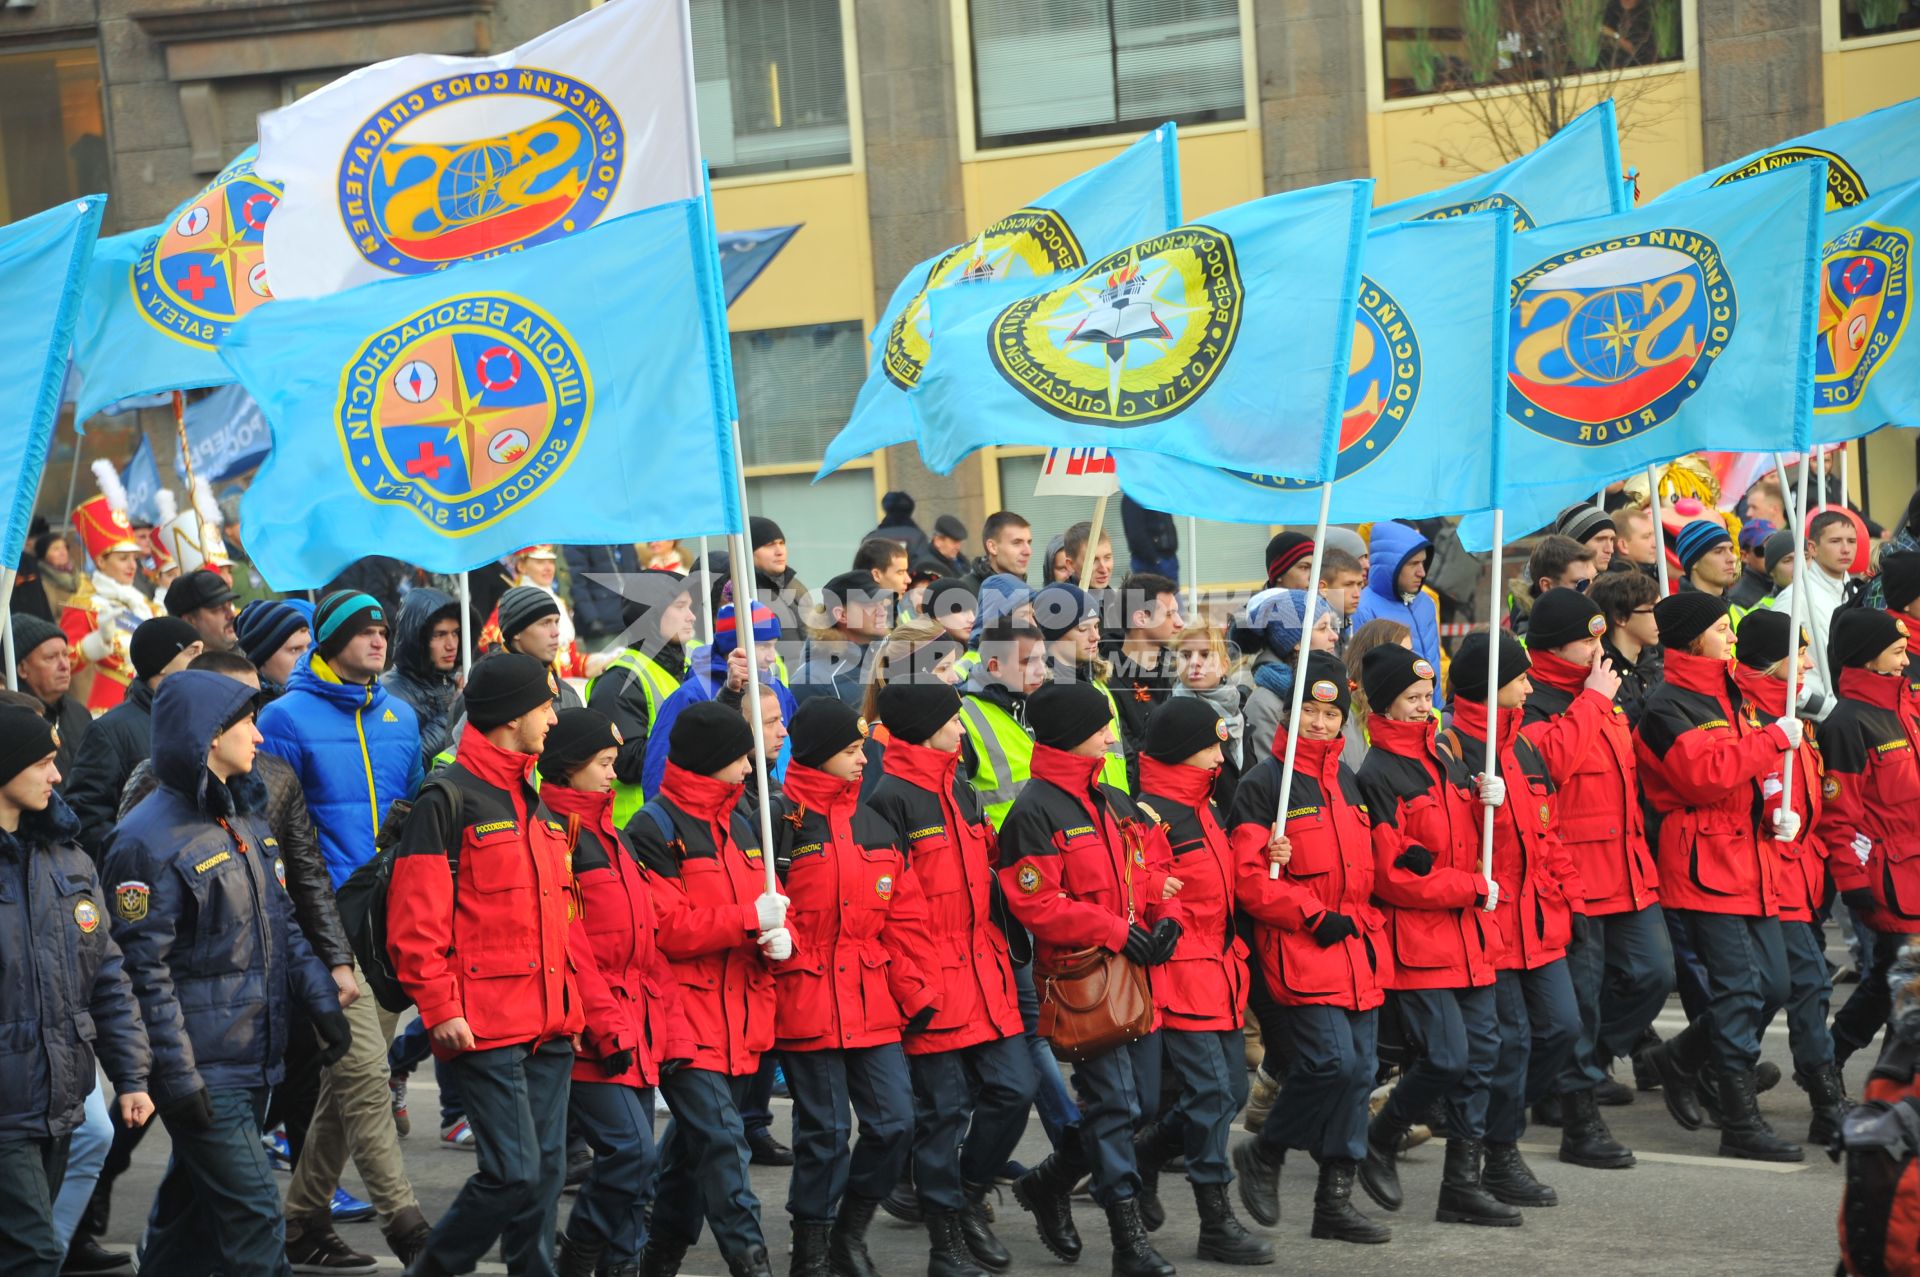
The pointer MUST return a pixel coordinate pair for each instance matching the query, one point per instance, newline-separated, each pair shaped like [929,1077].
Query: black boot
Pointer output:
[1045,1191]
[753,1263]
[99,1212]
[977,1232]
[1259,1171]
[1677,1084]
[577,1258]
[1827,1092]
[1743,1132]
[949,1255]
[1153,1144]
[1334,1218]
[1223,1238]
[1463,1199]
[1133,1252]
[903,1203]
[425,1265]
[809,1249]
[1586,1141]
[1644,1078]
[1380,1173]
[847,1242]
[1508,1177]
[663,1254]
[86,1256]
[1549,1112]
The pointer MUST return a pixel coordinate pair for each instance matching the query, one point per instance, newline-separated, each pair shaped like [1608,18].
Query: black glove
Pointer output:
[617,1063]
[1333,928]
[335,1035]
[191,1112]
[1139,946]
[1166,934]
[1415,860]
[921,1019]
[670,1067]
[1859,898]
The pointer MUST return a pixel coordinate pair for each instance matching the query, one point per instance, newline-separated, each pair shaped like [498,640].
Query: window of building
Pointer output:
[1460,46]
[1860,18]
[53,135]
[1045,70]
[771,81]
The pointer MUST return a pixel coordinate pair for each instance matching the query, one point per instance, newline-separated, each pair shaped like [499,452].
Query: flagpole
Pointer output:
[1093,540]
[73,471]
[743,598]
[466,624]
[186,460]
[1300,669]
[1493,686]
[1820,459]
[706,604]
[1795,607]
[1659,530]
[1193,557]
[7,577]
[1846,496]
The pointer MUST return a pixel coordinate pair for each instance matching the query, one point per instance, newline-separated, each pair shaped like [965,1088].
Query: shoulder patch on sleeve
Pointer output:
[1028,879]
[130,900]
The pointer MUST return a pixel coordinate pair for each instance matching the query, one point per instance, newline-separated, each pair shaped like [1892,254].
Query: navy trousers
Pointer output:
[1857,1023]
[218,1206]
[1209,1068]
[1809,989]
[30,1175]
[970,1110]
[1539,1024]
[617,1121]
[1745,961]
[1111,1093]
[1322,1107]
[1457,1032]
[872,1082]
[1622,970]
[703,1163]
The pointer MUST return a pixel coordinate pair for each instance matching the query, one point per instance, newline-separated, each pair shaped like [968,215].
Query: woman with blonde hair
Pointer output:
[1369,636]
[1208,671]
[913,651]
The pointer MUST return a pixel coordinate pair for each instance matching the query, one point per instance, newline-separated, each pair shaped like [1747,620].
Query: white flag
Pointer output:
[421,162]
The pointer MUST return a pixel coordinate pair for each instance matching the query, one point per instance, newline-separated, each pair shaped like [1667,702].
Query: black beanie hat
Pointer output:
[1583,522]
[1684,617]
[763,531]
[1860,634]
[520,607]
[1064,715]
[1388,670]
[1562,616]
[575,737]
[1181,728]
[645,593]
[30,631]
[1470,664]
[914,711]
[1763,638]
[708,736]
[503,686]
[157,641]
[341,616]
[25,739]
[1058,609]
[1900,579]
[949,596]
[1285,550]
[822,727]
[264,626]
[1327,682]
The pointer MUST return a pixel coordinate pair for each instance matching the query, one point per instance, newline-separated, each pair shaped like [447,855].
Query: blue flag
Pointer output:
[1866,156]
[1224,342]
[1131,196]
[1424,394]
[1865,375]
[43,265]
[160,300]
[574,393]
[1685,325]
[744,254]
[227,434]
[141,479]
[1575,173]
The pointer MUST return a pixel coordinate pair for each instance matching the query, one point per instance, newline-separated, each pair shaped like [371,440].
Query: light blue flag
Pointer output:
[1866,375]
[1866,156]
[1131,196]
[227,435]
[1424,395]
[744,254]
[141,479]
[160,300]
[572,393]
[1685,325]
[1575,173]
[1224,341]
[43,266]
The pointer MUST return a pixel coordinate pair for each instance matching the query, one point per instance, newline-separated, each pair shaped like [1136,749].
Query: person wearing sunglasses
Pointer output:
[1558,562]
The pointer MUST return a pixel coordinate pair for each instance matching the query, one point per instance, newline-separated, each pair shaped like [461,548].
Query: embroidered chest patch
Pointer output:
[883,886]
[86,916]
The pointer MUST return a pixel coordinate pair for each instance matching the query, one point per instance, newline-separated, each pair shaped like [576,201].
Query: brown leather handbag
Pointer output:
[1093,1000]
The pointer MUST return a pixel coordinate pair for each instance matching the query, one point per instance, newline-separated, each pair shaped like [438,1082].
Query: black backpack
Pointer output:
[362,898]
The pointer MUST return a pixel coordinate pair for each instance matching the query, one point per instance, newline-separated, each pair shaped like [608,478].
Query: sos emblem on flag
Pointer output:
[1844,187]
[208,268]
[1032,242]
[429,181]
[1866,288]
[1135,338]
[1609,339]
[464,411]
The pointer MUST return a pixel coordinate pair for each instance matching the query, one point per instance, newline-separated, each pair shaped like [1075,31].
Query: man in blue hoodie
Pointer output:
[1396,572]
[721,667]
[356,749]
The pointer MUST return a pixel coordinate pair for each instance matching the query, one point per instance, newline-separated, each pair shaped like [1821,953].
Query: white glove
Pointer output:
[778,942]
[771,911]
[1493,791]
[1492,893]
[1794,729]
[1786,825]
[1862,847]
[1771,787]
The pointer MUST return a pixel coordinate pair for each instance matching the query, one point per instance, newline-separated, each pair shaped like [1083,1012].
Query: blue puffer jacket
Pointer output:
[1392,545]
[63,993]
[201,912]
[706,680]
[356,749]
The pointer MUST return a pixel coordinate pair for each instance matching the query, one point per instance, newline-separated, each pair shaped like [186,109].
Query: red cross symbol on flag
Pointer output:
[196,283]
[428,463]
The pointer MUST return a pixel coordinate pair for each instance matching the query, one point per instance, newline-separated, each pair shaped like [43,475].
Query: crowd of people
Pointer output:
[260,865]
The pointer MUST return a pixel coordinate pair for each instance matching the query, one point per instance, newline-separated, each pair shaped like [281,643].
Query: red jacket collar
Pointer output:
[1697,674]
[1314,757]
[594,810]
[1887,691]
[1072,772]
[918,765]
[501,768]
[1188,785]
[1556,672]
[1408,740]
[1470,719]
[818,791]
[1768,694]
[701,797]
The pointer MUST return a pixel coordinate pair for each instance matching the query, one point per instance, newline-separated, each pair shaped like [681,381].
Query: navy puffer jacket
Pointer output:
[413,678]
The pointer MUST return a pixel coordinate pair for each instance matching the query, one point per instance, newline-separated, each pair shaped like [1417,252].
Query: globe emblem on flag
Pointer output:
[1844,187]
[1610,339]
[207,269]
[469,187]
[1866,290]
[465,412]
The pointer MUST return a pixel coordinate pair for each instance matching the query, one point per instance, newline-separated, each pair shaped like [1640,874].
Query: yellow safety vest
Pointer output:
[1002,751]
[1114,770]
[657,685]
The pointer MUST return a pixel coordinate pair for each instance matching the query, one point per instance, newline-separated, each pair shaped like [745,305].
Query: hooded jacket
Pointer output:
[118,742]
[413,677]
[355,749]
[201,911]
[1872,792]
[1392,545]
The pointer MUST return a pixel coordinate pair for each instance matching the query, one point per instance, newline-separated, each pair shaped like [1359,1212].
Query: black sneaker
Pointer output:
[318,1249]
[768,1151]
[87,1256]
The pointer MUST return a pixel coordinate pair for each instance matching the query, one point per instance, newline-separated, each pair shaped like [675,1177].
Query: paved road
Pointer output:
[1682,1210]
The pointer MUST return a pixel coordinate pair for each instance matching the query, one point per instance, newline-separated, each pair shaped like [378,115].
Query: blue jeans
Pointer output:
[970,1110]
[218,1206]
[617,1121]
[413,1045]
[872,1083]
[1622,970]
[30,1173]
[1211,1068]
[1322,1106]
[1458,1034]
[703,1164]
[1058,1112]
[86,1154]
[1539,1024]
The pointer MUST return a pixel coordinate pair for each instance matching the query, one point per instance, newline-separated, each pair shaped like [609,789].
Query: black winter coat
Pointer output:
[596,609]
[413,677]
[119,740]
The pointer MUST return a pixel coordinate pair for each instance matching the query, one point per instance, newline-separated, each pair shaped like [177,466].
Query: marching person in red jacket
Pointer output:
[1702,764]
[1539,1019]
[973,1079]
[1800,877]
[1427,876]
[724,935]
[1620,958]
[643,1029]
[843,1001]
[1322,946]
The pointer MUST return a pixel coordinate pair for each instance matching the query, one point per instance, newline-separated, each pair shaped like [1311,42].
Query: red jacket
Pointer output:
[1872,790]
[615,897]
[709,929]
[1800,877]
[1331,871]
[935,817]
[1203,988]
[1588,747]
[1418,796]
[857,920]
[501,950]
[1539,888]
[1701,763]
